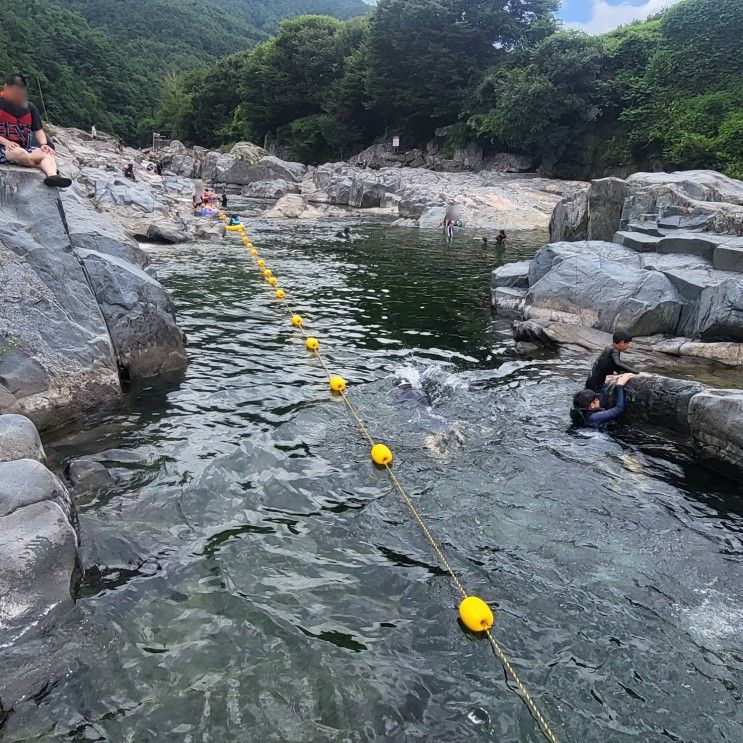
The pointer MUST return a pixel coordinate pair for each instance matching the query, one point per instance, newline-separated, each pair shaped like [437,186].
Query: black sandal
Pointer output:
[57,181]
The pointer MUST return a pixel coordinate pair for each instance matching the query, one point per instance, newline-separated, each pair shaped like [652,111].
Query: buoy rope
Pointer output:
[398,486]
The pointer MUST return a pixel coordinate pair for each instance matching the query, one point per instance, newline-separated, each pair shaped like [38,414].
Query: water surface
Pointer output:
[253,577]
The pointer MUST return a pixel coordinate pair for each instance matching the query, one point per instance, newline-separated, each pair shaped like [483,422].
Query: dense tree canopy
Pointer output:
[667,92]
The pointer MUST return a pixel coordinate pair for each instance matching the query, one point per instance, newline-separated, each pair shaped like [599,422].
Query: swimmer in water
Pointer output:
[345,235]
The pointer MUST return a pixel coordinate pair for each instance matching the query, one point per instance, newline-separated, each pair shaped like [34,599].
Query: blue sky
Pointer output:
[598,16]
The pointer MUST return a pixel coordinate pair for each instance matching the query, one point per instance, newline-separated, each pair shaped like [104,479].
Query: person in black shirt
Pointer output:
[19,123]
[129,172]
[500,240]
[610,362]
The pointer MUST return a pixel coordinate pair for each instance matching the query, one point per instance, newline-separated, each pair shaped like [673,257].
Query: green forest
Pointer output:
[667,92]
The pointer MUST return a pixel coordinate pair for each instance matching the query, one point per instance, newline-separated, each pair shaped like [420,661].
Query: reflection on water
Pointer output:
[254,578]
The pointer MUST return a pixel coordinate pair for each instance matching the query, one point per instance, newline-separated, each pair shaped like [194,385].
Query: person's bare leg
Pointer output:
[46,163]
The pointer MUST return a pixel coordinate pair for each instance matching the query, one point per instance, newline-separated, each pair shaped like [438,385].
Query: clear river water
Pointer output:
[253,577]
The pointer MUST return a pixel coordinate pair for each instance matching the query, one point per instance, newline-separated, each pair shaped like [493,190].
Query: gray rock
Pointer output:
[508,301]
[569,220]
[248,151]
[606,198]
[139,315]
[716,422]
[40,566]
[432,218]
[661,401]
[728,256]
[89,230]
[165,233]
[669,262]
[56,359]
[552,254]
[109,191]
[691,243]
[720,316]
[606,295]
[19,439]
[509,162]
[366,193]
[270,189]
[85,474]
[511,274]
[24,482]
[639,241]
[229,169]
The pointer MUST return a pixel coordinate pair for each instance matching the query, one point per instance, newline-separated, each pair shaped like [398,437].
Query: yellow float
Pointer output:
[337,384]
[381,455]
[280,294]
[312,344]
[475,614]
[297,321]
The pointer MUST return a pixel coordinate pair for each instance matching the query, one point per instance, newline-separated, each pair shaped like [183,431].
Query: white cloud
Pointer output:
[605,17]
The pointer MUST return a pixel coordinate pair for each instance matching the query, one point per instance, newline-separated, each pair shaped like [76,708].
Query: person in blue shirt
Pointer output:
[587,408]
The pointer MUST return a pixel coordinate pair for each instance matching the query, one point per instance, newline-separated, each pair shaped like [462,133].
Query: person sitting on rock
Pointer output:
[19,122]
[610,362]
[587,410]
[345,235]
[159,168]
[129,172]
[223,200]
[235,220]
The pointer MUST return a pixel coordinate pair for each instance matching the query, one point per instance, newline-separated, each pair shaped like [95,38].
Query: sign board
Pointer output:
[395,141]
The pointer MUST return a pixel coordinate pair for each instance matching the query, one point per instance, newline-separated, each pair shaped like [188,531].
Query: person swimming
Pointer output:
[405,392]
[345,234]
[587,410]
[235,220]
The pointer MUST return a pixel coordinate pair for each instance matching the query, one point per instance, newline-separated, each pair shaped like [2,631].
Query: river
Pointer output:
[252,577]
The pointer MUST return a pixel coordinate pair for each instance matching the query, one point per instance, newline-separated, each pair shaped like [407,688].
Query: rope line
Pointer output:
[398,486]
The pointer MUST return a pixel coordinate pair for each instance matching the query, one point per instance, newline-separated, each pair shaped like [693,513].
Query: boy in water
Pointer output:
[610,362]
[587,410]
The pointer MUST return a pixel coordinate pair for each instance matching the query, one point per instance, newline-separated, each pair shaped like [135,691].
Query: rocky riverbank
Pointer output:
[648,255]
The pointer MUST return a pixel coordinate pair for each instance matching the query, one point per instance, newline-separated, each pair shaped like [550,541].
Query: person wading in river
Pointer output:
[587,406]
[20,126]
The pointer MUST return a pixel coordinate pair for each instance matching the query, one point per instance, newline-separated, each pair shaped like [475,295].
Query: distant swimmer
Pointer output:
[234,220]
[345,235]
[405,392]
[588,410]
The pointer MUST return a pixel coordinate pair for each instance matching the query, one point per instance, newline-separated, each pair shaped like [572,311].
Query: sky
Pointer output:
[598,16]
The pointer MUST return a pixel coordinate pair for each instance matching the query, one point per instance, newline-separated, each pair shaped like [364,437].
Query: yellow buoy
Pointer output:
[267,272]
[261,263]
[248,244]
[297,321]
[280,294]
[312,344]
[337,384]
[475,614]
[381,454]
[253,252]
[273,280]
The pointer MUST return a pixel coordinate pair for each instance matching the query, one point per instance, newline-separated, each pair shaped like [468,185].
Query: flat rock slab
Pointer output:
[19,439]
[661,401]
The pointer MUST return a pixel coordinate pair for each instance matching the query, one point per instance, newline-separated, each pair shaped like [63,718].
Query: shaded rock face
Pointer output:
[58,359]
[716,422]
[661,401]
[139,315]
[38,537]
[569,220]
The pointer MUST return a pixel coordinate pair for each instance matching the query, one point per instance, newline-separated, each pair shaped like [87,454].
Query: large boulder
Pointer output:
[599,251]
[234,170]
[606,295]
[248,151]
[56,359]
[292,206]
[606,198]
[728,256]
[270,189]
[511,274]
[139,315]
[19,439]
[509,162]
[716,422]
[39,545]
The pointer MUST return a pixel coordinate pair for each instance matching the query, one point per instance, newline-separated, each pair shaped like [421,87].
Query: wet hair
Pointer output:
[583,399]
[621,336]
[402,384]
[16,79]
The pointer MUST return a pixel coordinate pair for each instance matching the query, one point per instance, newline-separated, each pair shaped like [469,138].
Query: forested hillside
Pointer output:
[667,92]
[107,62]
